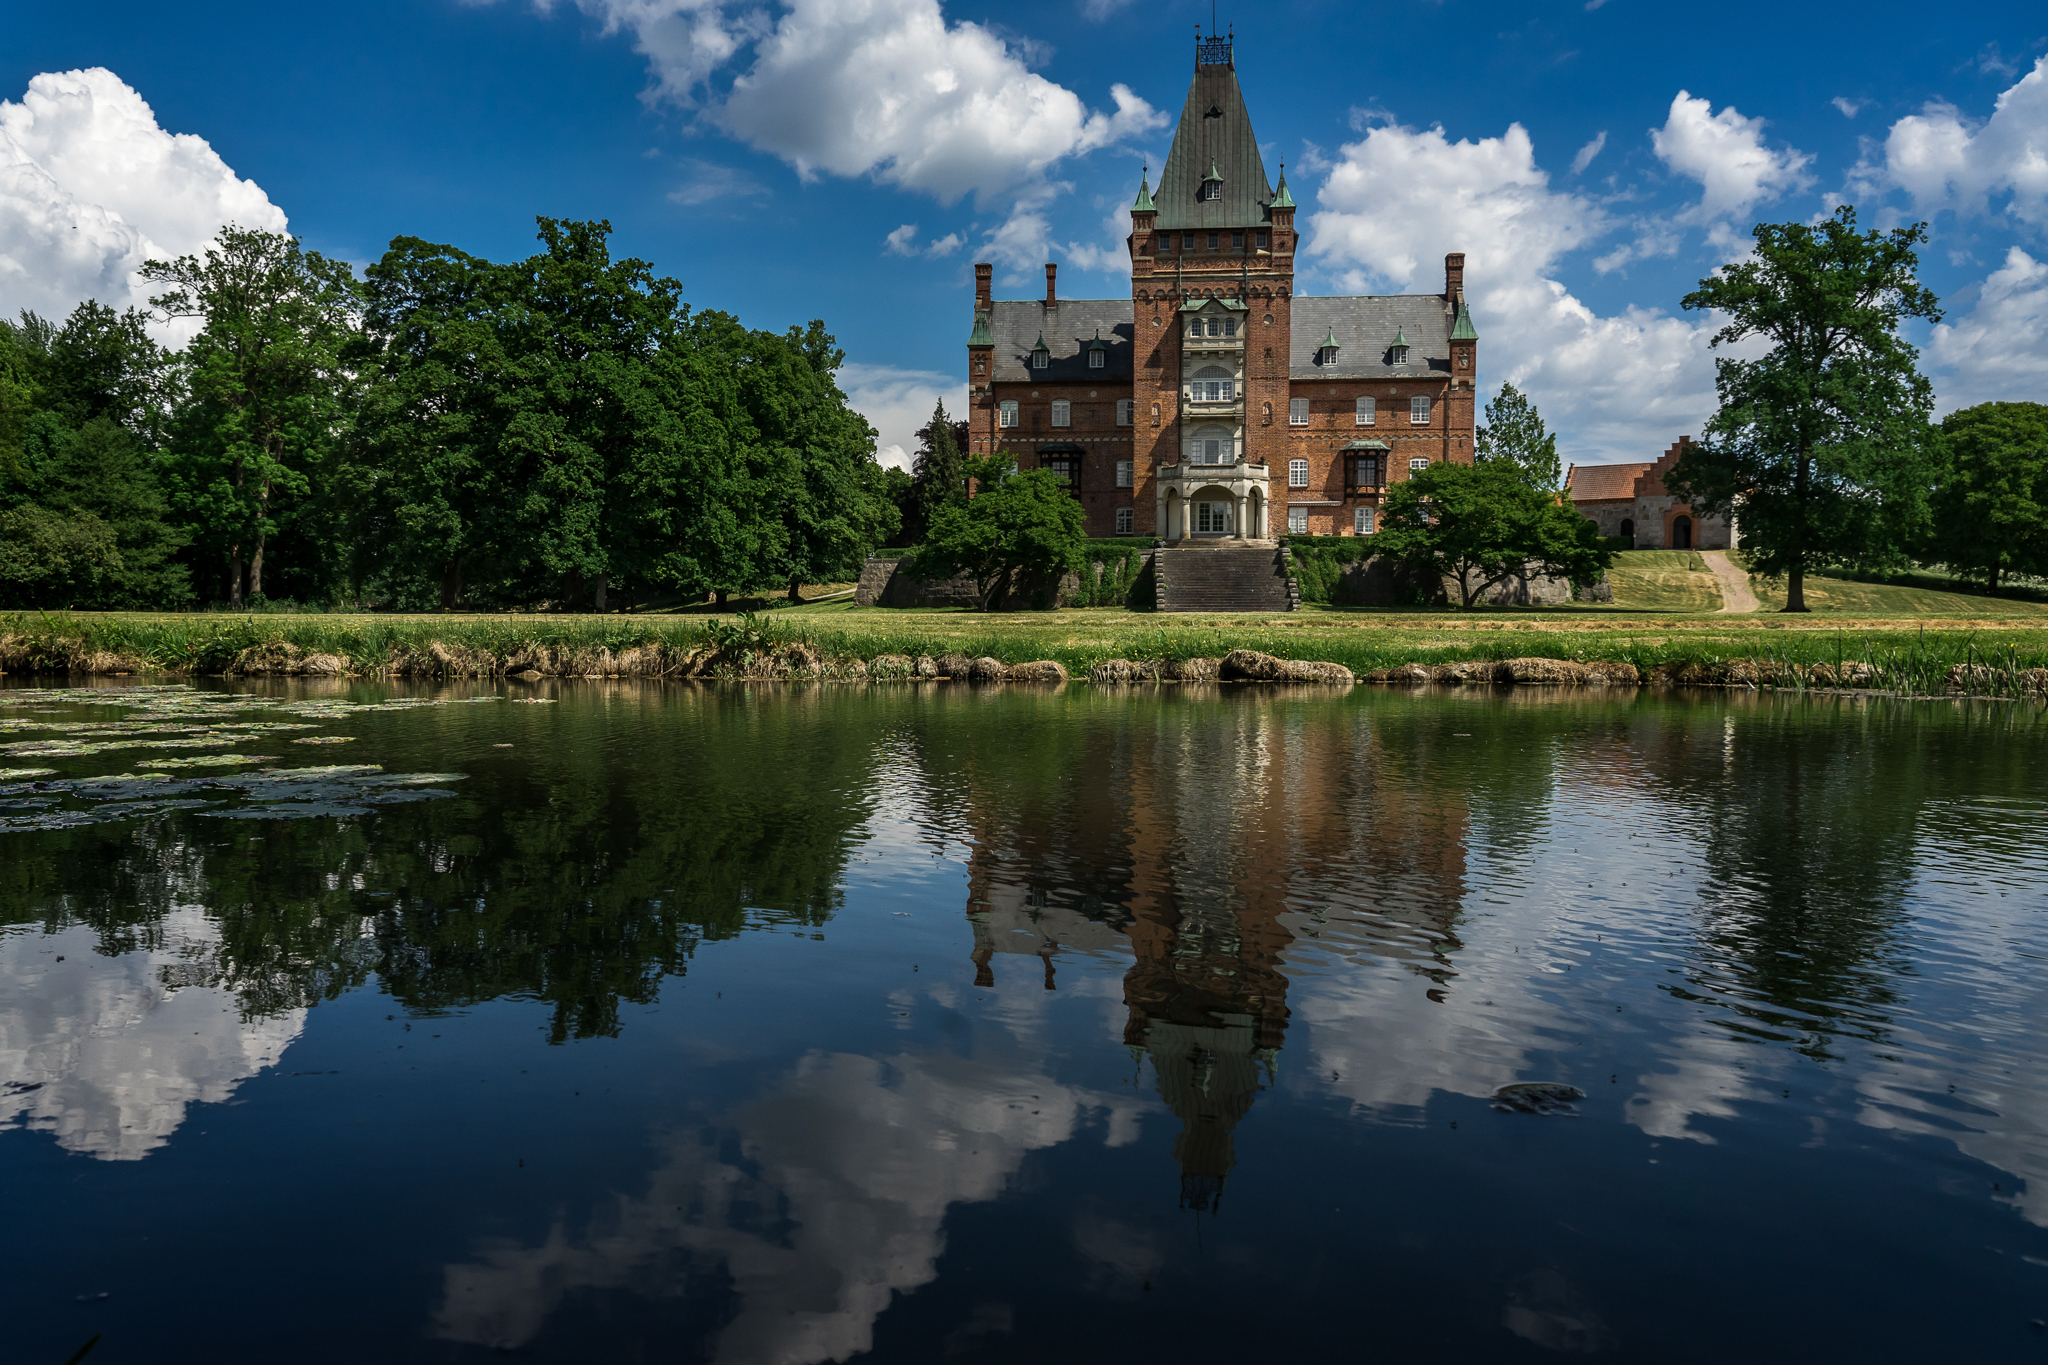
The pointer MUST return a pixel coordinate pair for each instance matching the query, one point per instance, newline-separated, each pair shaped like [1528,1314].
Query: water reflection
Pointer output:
[808,1209]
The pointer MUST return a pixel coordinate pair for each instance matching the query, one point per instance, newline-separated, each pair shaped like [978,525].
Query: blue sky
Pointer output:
[764,156]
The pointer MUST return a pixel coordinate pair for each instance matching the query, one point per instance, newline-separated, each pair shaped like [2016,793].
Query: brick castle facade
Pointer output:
[1214,402]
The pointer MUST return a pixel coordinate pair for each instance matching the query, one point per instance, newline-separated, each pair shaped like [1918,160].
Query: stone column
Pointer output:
[1239,502]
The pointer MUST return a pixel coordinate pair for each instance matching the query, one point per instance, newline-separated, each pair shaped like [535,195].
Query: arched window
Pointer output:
[1212,384]
[1266,414]
[1212,445]
[1681,533]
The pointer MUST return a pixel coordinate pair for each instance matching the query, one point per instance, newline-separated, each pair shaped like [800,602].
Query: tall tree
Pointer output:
[1025,527]
[938,473]
[1514,434]
[268,389]
[1822,441]
[1483,524]
[1991,496]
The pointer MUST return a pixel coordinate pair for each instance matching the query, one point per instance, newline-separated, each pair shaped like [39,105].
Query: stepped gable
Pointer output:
[1605,482]
[1365,326]
[1068,326]
[1651,482]
[1214,136]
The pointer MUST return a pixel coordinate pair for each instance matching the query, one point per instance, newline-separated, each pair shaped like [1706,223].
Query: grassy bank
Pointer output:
[1916,656]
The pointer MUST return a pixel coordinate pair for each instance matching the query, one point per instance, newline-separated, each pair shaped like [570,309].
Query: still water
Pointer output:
[675,1023]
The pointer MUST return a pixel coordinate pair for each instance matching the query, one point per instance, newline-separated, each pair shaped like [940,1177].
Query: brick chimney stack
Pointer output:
[1454,276]
[982,273]
[1051,295]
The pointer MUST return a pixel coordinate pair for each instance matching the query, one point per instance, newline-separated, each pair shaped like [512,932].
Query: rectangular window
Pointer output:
[1297,412]
[1187,241]
[1418,411]
[1212,241]
[1007,412]
[1262,241]
[1123,473]
[1297,521]
[1237,241]
[1230,327]
[1041,360]
[1126,523]
[1062,413]
[1297,473]
[1362,520]
[1067,469]
[1368,412]
[1123,410]
[1212,518]
[1419,463]
[1095,360]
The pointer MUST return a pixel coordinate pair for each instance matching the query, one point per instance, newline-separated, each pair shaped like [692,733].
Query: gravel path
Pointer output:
[1735,591]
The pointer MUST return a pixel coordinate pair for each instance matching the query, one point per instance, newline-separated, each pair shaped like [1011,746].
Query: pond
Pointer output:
[591,1021]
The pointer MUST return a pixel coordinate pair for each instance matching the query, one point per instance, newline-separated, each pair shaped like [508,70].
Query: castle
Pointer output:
[1214,403]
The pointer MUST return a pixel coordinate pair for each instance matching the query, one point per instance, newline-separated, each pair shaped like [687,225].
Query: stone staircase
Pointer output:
[1224,575]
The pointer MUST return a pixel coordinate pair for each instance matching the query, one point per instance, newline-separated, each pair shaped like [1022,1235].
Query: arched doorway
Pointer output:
[1681,533]
[1211,513]
[1255,515]
[1628,531]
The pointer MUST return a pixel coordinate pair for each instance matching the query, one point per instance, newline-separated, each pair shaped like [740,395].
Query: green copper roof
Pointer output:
[1464,330]
[1214,128]
[1196,305]
[1283,200]
[1145,204]
[1400,339]
[1041,346]
[980,336]
[1330,341]
[1098,344]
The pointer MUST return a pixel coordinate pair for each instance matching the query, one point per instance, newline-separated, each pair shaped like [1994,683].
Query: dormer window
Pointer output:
[1326,354]
[1213,190]
[1098,353]
[1095,360]
[1041,355]
[1397,354]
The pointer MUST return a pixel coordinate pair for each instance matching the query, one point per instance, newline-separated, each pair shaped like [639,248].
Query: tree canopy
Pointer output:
[1990,514]
[1484,524]
[1822,440]
[1020,529]
[1514,434]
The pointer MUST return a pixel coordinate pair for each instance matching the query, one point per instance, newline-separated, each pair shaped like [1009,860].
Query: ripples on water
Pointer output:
[934,1023]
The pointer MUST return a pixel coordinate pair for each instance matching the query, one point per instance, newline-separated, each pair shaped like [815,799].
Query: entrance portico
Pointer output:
[1212,502]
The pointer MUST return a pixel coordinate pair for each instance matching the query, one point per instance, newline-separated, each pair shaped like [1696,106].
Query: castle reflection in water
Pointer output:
[1204,847]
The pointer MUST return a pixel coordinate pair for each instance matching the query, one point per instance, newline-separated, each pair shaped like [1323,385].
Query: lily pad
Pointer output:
[326,739]
[19,774]
[1537,1097]
[200,761]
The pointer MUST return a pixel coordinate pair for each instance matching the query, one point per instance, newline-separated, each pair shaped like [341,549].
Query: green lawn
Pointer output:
[1663,580]
[1844,597]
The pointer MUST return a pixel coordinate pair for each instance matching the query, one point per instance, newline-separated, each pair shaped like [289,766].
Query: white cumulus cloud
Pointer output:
[1999,350]
[1617,387]
[91,187]
[1946,160]
[1725,153]
[898,403]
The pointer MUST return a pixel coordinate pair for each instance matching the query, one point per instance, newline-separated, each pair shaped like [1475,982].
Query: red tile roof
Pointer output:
[1604,482]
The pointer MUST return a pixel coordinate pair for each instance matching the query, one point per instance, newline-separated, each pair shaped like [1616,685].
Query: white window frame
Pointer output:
[1297,412]
[1418,463]
[1123,473]
[1095,359]
[1418,410]
[1297,473]
[1006,413]
[1297,521]
[1041,360]
[1126,521]
[1124,409]
[1368,412]
[1062,413]
[1363,521]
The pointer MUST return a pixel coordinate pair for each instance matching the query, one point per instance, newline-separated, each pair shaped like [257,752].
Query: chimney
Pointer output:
[1051,297]
[1454,276]
[982,271]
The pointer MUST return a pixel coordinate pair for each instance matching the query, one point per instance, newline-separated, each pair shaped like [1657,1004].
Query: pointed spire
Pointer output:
[1098,344]
[1041,346]
[1213,174]
[1463,330]
[1330,341]
[1282,199]
[1145,204]
[1400,340]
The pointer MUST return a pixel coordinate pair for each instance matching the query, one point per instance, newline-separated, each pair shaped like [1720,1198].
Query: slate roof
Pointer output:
[1068,327]
[1365,327]
[1604,482]
[1222,140]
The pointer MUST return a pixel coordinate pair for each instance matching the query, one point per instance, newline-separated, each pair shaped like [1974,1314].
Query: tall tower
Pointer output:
[1212,278]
